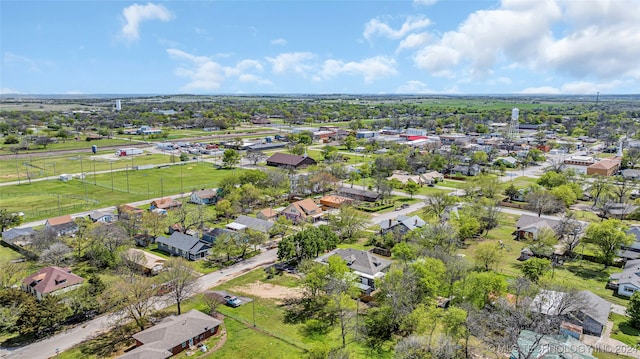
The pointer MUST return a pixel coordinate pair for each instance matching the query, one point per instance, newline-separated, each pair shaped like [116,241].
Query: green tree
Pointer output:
[534,268]
[308,243]
[404,251]
[8,220]
[511,191]
[487,255]
[437,203]
[608,236]
[411,188]
[230,158]
[348,223]
[350,142]
[479,287]
[566,194]
[633,310]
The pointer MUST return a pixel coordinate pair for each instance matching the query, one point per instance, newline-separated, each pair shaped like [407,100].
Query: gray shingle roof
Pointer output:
[527,221]
[547,301]
[256,224]
[361,261]
[14,233]
[182,241]
[629,275]
[175,330]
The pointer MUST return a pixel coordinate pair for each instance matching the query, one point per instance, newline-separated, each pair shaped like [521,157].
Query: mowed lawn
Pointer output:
[39,166]
[48,198]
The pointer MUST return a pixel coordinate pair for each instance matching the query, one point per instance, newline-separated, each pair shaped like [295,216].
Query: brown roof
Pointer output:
[308,205]
[606,164]
[268,212]
[285,159]
[165,203]
[50,279]
[60,220]
[335,200]
[130,208]
[206,193]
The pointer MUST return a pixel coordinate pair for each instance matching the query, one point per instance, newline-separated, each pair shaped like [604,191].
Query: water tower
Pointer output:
[118,105]
[512,129]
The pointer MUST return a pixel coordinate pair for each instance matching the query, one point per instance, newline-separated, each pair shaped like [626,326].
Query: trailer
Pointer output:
[128,152]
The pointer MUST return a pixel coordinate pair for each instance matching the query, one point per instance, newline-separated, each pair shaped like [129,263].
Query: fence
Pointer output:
[52,210]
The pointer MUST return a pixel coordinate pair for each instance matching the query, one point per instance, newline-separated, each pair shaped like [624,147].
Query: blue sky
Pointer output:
[307,46]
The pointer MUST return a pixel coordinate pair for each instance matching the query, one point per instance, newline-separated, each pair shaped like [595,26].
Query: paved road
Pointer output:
[47,348]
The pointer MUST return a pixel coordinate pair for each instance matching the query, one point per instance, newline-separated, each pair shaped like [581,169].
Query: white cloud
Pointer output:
[279,41]
[371,69]
[378,27]
[581,39]
[206,75]
[297,62]
[135,14]
[543,90]
[10,59]
[424,2]
[413,86]
[8,91]
[413,40]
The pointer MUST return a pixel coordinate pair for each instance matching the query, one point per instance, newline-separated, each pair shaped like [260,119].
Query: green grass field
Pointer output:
[8,254]
[51,198]
[623,331]
[70,145]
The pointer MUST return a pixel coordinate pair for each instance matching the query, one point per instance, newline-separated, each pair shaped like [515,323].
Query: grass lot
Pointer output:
[623,331]
[39,167]
[521,182]
[51,198]
[247,342]
[604,355]
[70,145]
[8,254]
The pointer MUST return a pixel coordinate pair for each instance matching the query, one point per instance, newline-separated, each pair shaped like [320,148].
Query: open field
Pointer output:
[51,198]
[38,167]
[71,145]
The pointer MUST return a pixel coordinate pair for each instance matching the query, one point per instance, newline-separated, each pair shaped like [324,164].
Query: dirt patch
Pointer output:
[268,290]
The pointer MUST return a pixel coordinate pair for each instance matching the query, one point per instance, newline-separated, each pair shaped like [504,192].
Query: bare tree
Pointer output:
[543,202]
[621,188]
[132,261]
[57,254]
[255,156]
[43,239]
[181,279]
[136,299]
[109,236]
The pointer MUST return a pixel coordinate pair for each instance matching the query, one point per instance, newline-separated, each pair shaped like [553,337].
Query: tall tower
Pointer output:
[118,105]
[512,129]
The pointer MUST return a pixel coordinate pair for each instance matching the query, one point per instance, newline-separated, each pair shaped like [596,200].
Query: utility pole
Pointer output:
[127,173]
[17,170]
[94,172]
[111,164]
[253,309]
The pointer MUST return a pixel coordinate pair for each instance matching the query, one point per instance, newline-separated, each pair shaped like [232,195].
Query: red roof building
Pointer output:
[50,280]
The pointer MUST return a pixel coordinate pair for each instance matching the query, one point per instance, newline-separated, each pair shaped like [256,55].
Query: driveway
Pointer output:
[48,347]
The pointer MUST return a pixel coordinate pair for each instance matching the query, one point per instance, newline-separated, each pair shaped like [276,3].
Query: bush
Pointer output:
[11,140]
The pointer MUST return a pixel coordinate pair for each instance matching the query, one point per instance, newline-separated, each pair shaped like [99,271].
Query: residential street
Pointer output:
[63,341]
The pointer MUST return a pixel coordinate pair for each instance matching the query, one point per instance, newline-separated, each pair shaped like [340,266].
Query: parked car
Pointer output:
[232,301]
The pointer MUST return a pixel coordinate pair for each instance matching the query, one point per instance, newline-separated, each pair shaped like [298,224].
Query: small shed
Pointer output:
[525,254]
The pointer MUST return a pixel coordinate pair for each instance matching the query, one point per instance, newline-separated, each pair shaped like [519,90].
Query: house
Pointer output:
[628,281]
[472,170]
[534,345]
[606,167]
[587,309]
[63,225]
[268,214]
[334,202]
[148,263]
[368,267]
[301,211]
[631,251]
[284,160]
[617,210]
[165,203]
[173,335]
[102,217]
[209,236]
[402,224]
[432,177]
[359,194]
[406,178]
[256,224]
[528,226]
[51,281]
[125,211]
[19,236]
[204,196]
[630,174]
[179,244]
